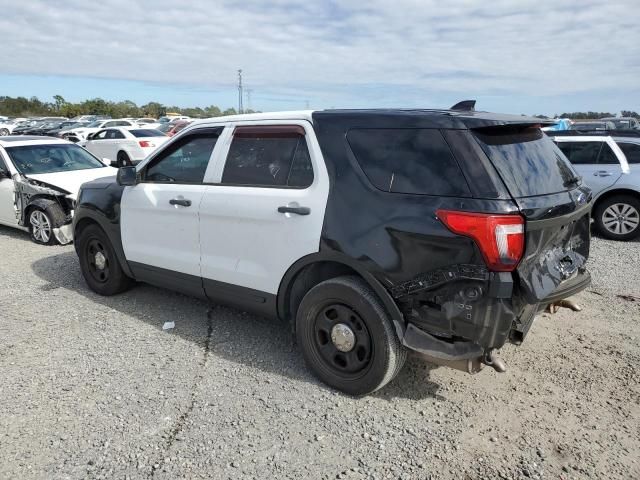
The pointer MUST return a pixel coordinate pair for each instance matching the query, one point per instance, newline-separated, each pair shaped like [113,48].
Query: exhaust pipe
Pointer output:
[471,365]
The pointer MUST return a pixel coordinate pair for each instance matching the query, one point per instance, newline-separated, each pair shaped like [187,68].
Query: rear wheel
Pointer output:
[99,264]
[618,217]
[123,160]
[4,132]
[346,336]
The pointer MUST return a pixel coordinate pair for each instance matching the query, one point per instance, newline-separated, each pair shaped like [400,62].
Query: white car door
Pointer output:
[264,209]
[595,160]
[7,195]
[159,215]
[96,144]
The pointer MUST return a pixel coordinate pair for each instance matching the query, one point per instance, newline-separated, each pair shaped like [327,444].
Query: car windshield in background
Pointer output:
[589,126]
[95,124]
[165,127]
[528,161]
[35,159]
[146,132]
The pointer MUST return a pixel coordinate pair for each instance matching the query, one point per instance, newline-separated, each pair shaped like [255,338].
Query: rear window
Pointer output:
[147,132]
[528,161]
[408,160]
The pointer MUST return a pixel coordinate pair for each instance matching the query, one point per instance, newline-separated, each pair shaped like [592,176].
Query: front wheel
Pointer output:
[4,132]
[618,217]
[346,336]
[123,160]
[98,262]
[42,220]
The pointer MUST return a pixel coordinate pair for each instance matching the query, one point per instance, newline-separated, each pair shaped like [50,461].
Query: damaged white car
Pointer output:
[39,182]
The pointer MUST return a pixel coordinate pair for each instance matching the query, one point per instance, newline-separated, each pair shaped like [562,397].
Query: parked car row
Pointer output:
[442,232]
[608,124]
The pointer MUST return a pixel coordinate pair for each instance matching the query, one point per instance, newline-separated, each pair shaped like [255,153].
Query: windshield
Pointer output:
[589,126]
[34,159]
[147,132]
[95,124]
[528,161]
[165,127]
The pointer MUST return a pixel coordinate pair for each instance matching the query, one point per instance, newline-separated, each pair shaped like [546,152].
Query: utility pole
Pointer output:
[239,90]
[249,92]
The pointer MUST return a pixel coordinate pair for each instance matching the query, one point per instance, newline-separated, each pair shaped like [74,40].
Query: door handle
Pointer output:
[602,173]
[296,210]
[180,201]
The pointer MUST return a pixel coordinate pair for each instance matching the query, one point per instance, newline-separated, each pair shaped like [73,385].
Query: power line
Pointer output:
[240,90]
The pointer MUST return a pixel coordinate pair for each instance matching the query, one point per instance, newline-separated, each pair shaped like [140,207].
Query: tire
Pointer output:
[357,360]
[123,159]
[4,132]
[99,264]
[618,217]
[42,219]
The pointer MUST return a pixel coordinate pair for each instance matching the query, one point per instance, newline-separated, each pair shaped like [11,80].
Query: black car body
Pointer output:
[465,225]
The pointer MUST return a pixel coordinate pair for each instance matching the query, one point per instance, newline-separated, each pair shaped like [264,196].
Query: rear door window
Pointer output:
[528,161]
[268,156]
[408,160]
[631,151]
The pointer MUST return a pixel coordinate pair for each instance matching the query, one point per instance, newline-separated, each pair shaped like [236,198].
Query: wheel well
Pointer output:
[82,224]
[307,278]
[611,193]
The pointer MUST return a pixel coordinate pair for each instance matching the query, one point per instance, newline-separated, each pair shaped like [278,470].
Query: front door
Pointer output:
[594,161]
[264,211]
[159,219]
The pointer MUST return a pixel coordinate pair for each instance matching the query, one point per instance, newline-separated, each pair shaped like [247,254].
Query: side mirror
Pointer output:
[127,176]
[4,173]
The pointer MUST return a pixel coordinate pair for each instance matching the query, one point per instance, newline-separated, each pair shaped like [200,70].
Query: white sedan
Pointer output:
[79,134]
[124,146]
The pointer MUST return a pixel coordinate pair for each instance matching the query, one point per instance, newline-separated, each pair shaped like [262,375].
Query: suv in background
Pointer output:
[369,232]
[624,123]
[610,166]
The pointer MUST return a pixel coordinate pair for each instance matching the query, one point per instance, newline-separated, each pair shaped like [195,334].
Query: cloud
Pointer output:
[405,51]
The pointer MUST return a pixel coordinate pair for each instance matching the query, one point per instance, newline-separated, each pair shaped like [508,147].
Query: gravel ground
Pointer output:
[92,387]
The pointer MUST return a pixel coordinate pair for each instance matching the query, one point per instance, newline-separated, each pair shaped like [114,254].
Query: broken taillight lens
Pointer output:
[500,238]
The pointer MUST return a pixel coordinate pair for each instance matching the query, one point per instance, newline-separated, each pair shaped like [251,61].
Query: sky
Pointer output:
[516,56]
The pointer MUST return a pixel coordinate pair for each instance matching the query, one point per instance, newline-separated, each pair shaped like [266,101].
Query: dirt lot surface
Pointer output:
[92,387]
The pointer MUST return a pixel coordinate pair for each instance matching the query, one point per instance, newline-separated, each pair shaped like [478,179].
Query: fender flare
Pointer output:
[290,276]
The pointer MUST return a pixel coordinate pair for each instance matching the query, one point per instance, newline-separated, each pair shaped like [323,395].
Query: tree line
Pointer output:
[32,107]
[597,115]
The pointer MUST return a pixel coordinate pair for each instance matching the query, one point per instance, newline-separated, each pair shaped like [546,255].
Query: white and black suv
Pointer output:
[369,231]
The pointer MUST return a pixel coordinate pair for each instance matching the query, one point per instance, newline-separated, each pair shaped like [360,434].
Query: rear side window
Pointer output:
[528,161]
[148,132]
[407,160]
[631,151]
[268,156]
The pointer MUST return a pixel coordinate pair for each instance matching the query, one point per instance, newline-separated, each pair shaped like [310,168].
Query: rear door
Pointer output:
[553,201]
[594,160]
[265,207]
[159,219]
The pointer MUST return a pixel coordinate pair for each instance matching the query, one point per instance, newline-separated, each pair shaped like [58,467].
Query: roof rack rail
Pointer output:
[607,133]
[465,106]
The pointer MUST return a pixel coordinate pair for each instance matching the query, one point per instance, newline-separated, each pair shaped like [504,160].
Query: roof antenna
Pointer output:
[465,106]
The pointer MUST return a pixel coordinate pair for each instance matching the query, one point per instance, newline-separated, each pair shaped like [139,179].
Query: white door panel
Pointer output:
[157,233]
[7,210]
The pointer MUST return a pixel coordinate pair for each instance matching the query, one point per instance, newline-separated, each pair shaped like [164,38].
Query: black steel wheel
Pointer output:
[346,336]
[99,264]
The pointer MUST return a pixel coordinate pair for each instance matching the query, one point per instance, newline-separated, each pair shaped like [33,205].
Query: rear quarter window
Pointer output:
[408,160]
[528,161]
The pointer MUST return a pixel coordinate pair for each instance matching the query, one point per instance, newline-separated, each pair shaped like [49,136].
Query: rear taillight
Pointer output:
[499,237]
[146,143]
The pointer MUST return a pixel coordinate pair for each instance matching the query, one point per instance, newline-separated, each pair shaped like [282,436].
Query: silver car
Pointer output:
[611,167]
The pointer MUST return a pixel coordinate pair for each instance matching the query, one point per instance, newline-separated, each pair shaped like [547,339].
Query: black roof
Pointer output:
[24,138]
[607,133]
[431,118]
